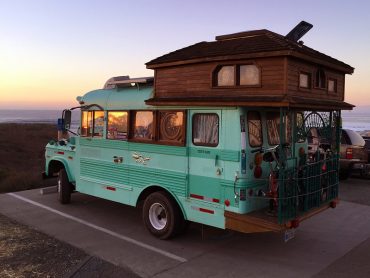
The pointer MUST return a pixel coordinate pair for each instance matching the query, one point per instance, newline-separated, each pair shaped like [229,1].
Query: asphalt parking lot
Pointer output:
[335,243]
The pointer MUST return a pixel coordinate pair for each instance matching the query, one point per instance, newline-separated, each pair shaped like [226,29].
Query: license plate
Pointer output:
[289,234]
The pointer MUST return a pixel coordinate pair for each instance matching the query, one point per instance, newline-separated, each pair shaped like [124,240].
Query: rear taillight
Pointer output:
[349,153]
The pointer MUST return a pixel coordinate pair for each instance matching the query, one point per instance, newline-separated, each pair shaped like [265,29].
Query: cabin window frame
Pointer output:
[216,69]
[132,138]
[215,72]
[182,140]
[259,84]
[213,145]
[128,125]
[92,133]
[261,129]
[335,89]
[309,81]
[320,76]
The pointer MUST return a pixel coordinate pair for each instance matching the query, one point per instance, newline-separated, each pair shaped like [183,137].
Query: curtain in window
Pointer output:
[205,129]
[254,129]
[273,128]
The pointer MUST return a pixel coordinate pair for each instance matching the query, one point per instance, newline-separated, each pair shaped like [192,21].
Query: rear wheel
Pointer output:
[64,187]
[161,215]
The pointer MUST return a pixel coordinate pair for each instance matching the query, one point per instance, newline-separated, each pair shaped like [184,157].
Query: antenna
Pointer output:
[299,31]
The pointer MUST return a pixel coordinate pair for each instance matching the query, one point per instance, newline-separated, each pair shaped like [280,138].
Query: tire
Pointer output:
[64,187]
[161,215]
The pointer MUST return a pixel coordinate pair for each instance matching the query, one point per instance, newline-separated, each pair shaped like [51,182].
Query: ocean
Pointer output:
[37,116]
[358,119]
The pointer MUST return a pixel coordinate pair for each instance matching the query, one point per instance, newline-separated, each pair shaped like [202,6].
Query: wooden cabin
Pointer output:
[253,68]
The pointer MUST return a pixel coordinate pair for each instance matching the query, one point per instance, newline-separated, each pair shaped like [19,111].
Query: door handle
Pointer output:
[117,159]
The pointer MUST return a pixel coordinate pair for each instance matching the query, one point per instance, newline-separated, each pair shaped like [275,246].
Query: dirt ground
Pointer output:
[25,252]
[22,155]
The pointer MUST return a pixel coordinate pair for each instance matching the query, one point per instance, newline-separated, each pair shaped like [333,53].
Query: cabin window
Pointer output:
[92,123]
[320,79]
[305,80]
[254,128]
[226,76]
[332,85]
[273,128]
[249,75]
[205,130]
[143,122]
[117,125]
[171,127]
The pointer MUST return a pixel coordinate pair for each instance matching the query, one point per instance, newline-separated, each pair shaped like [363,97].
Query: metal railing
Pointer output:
[306,187]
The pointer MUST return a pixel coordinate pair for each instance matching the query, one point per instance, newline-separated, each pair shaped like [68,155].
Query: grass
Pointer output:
[22,155]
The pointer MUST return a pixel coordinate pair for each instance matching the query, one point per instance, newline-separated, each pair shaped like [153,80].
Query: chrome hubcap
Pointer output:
[157,216]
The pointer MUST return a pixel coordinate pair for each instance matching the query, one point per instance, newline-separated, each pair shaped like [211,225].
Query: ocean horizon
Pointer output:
[357,119]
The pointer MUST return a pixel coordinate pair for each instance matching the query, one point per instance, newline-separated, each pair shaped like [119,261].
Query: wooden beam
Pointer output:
[254,222]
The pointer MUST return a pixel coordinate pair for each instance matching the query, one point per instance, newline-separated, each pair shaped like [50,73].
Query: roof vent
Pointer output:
[299,31]
[110,84]
[126,81]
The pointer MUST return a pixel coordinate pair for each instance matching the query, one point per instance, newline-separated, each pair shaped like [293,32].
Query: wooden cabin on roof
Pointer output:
[253,68]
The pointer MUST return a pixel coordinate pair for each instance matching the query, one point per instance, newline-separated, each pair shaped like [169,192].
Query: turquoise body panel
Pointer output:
[200,178]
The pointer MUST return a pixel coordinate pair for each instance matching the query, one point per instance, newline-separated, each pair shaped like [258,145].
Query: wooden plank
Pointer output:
[253,222]
[259,221]
[315,211]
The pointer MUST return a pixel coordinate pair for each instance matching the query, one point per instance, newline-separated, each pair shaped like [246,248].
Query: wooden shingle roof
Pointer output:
[251,44]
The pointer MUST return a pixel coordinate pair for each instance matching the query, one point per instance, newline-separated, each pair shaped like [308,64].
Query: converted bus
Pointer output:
[240,133]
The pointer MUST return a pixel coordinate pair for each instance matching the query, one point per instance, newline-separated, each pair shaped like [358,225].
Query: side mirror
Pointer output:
[67,115]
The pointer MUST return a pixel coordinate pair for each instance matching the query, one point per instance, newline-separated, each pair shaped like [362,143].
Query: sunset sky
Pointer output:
[52,51]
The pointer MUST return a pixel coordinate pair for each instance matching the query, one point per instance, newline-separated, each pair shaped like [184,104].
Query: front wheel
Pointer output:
[64,187]
[161,215]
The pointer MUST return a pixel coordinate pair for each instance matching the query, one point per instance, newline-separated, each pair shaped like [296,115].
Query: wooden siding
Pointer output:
[196,80]
[296,66]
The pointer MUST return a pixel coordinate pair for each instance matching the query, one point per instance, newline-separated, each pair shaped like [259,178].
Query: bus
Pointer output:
[240,133]
[238,168]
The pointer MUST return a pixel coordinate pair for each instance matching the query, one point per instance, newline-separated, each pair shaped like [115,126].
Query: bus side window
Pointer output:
[117,125]
[205,129]
[254,129]
[92,123]
[86,123]
[98,123]
[143,125]
[171,127]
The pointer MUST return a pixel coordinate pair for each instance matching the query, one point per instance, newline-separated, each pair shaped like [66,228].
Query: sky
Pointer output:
[53,51]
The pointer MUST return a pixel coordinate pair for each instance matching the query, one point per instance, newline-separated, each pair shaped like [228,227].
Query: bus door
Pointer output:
[104,157]
[206,169]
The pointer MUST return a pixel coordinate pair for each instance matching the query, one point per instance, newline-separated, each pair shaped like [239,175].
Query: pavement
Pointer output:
[335,243]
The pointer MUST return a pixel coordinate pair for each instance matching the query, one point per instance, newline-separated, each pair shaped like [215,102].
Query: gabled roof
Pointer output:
[251,44]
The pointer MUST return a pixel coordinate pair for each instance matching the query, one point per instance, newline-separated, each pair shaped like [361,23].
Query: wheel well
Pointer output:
[147,191]
[54,167]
